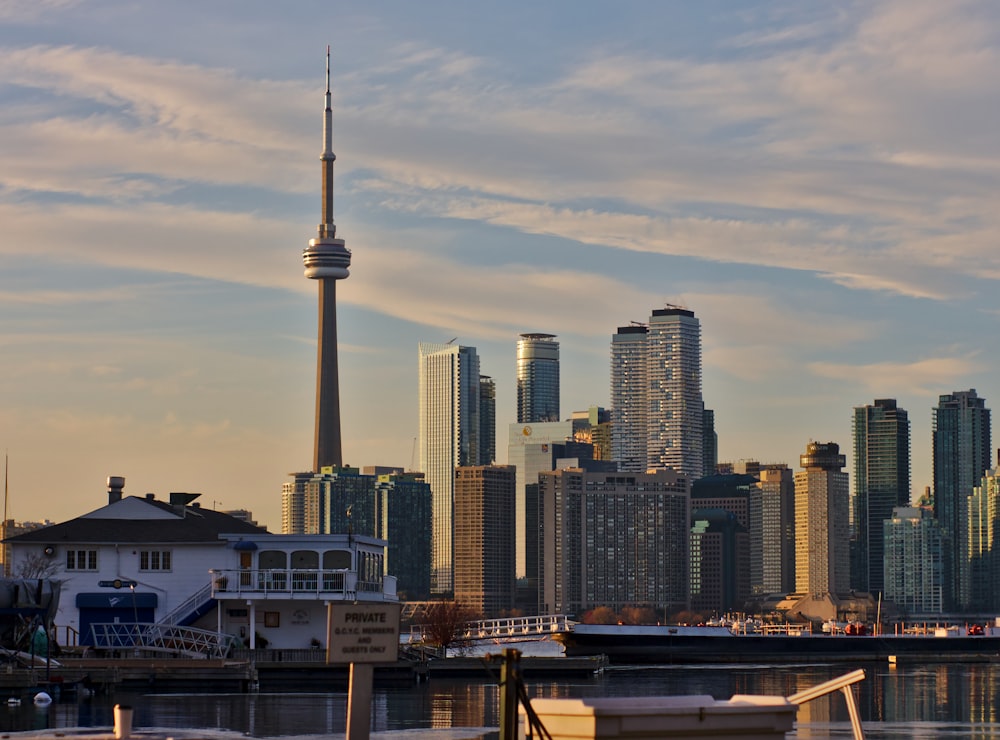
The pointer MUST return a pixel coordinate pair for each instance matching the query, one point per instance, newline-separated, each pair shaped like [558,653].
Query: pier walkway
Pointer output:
[508,628]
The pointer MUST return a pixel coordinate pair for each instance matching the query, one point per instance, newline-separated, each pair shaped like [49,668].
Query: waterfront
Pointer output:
[940,700]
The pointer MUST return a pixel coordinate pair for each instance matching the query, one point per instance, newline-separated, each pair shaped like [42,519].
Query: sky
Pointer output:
[818,182]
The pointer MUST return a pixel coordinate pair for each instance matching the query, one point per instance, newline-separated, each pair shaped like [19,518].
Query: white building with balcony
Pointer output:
[137,566]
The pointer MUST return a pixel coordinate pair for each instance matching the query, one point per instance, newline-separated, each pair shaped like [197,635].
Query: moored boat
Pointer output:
[716,644]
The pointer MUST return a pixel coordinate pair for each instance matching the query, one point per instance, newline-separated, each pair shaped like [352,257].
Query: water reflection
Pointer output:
[953,700]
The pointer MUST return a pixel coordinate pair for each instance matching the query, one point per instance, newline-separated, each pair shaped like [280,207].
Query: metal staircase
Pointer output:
[193,607]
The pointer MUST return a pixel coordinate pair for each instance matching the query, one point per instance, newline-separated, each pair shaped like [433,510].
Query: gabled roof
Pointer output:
[135,520]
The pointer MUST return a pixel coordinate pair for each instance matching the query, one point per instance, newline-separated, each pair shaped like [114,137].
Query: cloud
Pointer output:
[924,377]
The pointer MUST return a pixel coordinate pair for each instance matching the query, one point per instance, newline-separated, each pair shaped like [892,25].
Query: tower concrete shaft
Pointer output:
[327,260]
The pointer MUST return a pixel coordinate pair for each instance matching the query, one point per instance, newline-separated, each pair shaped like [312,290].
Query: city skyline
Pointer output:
[815,183]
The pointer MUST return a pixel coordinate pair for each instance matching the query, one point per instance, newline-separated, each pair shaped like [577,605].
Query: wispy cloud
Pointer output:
[924,378]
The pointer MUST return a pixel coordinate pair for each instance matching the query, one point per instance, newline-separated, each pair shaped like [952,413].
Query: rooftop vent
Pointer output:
[116,484]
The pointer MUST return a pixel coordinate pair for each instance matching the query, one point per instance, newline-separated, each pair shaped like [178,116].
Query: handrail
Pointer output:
[842,684]
[187,606]
[72,636]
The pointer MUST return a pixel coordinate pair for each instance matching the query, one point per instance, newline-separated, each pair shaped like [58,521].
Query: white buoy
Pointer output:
[42,699]
[13,702]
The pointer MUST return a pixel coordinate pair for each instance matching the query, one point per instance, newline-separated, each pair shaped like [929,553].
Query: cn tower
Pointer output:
[327,260]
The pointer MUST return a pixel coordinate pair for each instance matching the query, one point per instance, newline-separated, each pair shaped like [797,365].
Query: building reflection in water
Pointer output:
[907,701]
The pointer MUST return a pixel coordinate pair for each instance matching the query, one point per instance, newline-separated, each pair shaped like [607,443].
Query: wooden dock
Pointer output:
[105,675]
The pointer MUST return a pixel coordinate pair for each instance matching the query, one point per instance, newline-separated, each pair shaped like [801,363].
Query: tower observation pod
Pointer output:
[327,260]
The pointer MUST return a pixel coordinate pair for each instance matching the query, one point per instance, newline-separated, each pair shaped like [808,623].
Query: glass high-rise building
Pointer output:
[537,378]
[881,484]
[657,408]
[914,578]
[487,420]
[962,453]
[448,397]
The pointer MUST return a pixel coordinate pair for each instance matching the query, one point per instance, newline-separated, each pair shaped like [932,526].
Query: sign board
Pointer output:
[363,633]
[117,583]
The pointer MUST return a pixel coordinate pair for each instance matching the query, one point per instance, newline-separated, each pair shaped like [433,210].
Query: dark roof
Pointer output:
[197,525]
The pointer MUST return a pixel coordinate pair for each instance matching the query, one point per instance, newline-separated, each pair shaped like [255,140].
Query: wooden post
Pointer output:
[359,701]
[509,674]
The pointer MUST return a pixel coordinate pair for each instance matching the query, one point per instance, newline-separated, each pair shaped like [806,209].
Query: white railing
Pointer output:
[297,582]
[842,684]
[186,607]
[501,629]
[188,641]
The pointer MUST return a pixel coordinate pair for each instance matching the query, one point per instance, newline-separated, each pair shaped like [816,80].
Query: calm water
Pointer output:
[948,700]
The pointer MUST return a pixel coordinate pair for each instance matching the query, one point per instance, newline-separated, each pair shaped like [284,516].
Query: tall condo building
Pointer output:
[961,454]
[914,578]
[327,260]
[657,414]
[613,539]
[984,544]
[448,397]
[484,538]
[537,378]
[772,531]
[822,532]
[881,484]
[487,420]
[629,389]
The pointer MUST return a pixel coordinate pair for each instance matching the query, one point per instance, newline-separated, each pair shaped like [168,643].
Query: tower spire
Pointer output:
[327,228]
[327,260]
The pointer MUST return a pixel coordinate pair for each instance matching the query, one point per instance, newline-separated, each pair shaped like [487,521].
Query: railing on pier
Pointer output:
[500,629]
[298,582]
[188,641]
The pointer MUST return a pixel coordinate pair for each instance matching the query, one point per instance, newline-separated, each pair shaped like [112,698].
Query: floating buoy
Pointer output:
[13,702]
[41,698]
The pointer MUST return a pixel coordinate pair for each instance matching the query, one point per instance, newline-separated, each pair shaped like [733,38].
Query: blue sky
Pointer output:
[818,182]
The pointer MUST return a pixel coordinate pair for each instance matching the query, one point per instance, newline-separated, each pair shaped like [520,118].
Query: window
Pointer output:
[154,560]
[81,560]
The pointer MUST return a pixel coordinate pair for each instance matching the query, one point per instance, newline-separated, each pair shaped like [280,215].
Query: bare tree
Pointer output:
[600,615]
[638,615]
[35,565]
[444,623]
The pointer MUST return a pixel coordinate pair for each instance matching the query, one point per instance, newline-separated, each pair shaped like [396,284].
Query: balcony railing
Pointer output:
[297,582]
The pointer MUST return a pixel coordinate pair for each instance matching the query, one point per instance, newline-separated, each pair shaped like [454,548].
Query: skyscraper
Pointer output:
[487,420]
[484,538]
[984,544]
[962,453]
[657,408]
[628,397]
[881,484]
[613,539]
[676,418]
[913,568]
[537,378]
[448,397]
[772,531]
[822,535]
[327,260]
[709,442]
